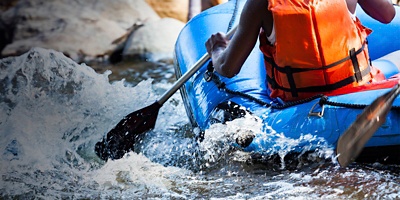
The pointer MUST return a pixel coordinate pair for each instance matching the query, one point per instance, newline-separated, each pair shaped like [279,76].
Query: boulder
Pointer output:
[177,9]
[82,29]
[88,30]
[154,40]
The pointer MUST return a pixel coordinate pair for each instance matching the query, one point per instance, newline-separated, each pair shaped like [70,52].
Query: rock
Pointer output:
[87,30]
[245,138]
[155,40]
[177,9]
[124,12]
[82,29]
[181,9]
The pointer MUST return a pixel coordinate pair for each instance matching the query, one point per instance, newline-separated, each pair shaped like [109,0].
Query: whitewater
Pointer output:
[53,111]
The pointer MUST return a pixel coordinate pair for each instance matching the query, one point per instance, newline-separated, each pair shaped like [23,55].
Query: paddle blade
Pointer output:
[351,143]
[123,136]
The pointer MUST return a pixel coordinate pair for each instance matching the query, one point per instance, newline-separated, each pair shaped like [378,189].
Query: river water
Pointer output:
[53,111]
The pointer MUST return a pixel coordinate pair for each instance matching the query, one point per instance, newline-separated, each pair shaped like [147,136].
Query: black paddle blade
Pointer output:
[123,136]
[351,143]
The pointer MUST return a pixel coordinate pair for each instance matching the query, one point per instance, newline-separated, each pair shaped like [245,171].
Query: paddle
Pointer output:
[352,141]
[123,136]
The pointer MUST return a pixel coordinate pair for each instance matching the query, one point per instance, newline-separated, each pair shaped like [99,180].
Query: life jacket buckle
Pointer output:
[316,113]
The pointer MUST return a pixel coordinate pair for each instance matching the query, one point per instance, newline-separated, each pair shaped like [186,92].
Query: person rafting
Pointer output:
[309,47]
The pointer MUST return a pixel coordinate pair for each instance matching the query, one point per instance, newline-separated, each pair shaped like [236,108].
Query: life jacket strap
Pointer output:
[289,71]
[356,66]
[296,70]
[314,89]
[292,83]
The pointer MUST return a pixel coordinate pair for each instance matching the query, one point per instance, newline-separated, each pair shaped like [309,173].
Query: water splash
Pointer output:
[48,103]
[53,111]
[136,176]
[221,138]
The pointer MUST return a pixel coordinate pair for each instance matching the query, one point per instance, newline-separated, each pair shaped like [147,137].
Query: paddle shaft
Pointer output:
[189,73]
[122,137]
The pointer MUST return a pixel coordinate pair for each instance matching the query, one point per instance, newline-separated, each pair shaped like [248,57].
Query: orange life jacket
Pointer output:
[319,49]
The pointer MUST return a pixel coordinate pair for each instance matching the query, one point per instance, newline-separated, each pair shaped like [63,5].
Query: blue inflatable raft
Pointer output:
[207,93]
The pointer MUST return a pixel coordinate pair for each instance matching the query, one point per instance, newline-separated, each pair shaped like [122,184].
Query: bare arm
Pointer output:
[381,10]
[228,59]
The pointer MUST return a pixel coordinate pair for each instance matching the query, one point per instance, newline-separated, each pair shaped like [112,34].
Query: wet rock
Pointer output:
[81,29]
[245,138]
[154,40]
[94,30]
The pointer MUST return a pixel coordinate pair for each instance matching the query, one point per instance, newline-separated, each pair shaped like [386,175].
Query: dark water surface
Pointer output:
[53,111]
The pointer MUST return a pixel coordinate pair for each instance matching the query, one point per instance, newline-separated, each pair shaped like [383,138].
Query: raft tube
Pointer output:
[203,98]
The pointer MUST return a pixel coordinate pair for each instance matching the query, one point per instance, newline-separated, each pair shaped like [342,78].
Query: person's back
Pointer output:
[304,55]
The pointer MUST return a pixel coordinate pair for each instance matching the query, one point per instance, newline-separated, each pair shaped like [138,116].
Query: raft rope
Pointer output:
[211,76]
[234,14]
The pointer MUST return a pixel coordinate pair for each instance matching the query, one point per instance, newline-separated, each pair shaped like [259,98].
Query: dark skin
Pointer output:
[228,59]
